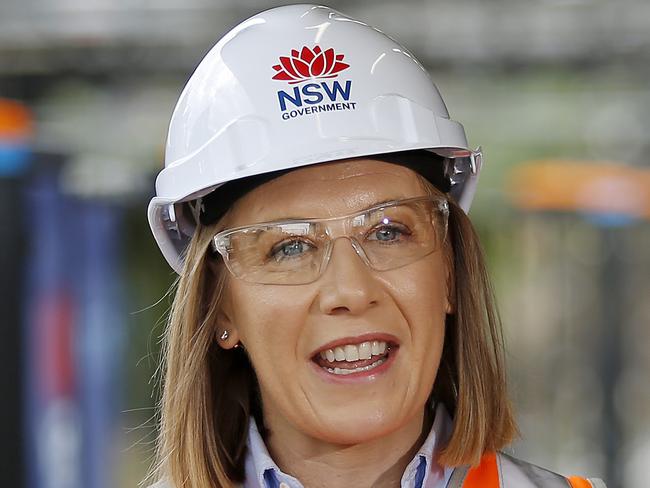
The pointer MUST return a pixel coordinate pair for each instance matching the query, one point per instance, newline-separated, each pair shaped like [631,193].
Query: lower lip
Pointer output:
[359,377]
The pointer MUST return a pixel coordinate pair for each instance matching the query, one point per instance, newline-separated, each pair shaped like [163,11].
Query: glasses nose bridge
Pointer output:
[338,227]
[356,245]
[343,228]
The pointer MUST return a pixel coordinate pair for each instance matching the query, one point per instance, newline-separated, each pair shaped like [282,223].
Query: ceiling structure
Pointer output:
[38,36]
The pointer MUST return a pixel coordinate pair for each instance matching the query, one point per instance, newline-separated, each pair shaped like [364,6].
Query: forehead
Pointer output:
[326,190]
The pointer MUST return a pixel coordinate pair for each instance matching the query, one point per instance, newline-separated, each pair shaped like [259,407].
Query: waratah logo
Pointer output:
[309,64]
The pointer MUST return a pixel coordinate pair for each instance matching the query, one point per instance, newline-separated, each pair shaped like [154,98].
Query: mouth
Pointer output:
[356,357]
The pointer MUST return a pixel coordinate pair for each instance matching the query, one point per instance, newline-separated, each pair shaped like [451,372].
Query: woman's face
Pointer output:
[285,327]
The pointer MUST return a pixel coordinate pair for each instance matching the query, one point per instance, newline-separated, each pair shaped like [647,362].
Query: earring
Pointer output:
[224,335]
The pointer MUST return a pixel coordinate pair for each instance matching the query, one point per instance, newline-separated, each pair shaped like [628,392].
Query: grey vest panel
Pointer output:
[519,474]
[597,483]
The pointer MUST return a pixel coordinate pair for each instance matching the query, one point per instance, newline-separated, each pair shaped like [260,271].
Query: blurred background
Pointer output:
[556,91]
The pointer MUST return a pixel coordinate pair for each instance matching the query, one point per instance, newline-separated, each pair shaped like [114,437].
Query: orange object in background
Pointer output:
[582,186]
[16,122]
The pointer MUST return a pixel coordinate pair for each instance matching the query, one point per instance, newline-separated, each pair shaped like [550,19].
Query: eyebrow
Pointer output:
[375,204]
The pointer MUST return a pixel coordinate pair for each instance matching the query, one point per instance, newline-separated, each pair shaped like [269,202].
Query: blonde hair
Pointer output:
[210,393]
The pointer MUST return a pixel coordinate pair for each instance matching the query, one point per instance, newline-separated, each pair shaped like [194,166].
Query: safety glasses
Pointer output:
[297,251]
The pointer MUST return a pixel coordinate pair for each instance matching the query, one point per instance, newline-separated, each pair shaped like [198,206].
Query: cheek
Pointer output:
[269,321]
[421,295]
[264,303]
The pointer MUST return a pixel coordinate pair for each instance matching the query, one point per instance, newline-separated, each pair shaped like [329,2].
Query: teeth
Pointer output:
[365,350]
[351,353]
[343,371]
[354,352]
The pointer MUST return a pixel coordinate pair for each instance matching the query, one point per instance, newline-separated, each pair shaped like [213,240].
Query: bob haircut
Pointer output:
[209,393]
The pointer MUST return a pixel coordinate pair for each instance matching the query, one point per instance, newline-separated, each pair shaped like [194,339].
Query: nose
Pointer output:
[348,285]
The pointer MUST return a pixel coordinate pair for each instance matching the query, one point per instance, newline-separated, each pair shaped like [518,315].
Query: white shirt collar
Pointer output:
[422,472]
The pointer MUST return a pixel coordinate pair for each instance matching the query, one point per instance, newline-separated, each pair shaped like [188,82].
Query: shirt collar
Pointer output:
[422,472]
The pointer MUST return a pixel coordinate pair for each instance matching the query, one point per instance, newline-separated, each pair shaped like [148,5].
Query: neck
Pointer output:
[379,463]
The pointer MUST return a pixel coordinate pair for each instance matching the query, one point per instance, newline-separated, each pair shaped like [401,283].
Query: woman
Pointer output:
[333,323]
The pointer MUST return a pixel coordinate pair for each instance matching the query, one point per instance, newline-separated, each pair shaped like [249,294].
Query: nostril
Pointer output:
[339,310]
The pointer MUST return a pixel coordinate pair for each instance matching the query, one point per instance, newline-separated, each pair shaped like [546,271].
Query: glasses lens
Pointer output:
[293,252]
[283,253]
[400,234]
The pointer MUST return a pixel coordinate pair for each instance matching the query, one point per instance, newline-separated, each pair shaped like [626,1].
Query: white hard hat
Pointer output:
[294,86]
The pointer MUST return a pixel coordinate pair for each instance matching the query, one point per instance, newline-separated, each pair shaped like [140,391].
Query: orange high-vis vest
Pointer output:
[503,471]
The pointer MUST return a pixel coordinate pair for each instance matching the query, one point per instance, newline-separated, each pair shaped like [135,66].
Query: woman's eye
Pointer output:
[290,249]
[387,233]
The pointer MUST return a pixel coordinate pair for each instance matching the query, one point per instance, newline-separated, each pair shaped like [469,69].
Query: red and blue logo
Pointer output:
[310,65]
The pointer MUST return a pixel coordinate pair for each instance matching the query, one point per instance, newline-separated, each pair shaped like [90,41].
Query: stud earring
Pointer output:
[224,335]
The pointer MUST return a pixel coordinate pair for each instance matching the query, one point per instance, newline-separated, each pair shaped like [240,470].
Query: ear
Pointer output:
[450,306]
[226,335]
[225,323]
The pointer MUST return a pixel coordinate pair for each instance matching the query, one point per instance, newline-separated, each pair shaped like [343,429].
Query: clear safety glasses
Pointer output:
[297,251]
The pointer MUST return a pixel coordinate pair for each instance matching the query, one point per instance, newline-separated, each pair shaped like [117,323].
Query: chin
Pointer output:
[352,428]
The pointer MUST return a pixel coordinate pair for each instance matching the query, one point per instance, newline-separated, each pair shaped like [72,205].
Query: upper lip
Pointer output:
[371,336]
